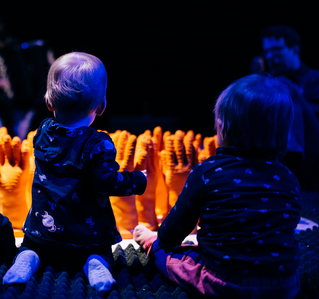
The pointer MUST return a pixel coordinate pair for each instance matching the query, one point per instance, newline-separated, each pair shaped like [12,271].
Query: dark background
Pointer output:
[166,62]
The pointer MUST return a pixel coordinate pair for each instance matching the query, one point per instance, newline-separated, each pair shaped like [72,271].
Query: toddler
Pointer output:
[246,201]
[71,222]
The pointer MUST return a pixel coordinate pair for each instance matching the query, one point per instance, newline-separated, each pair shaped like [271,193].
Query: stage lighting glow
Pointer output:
[25,45]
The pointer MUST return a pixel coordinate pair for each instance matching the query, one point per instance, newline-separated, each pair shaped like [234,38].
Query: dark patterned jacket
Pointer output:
[247,208]
[75,174]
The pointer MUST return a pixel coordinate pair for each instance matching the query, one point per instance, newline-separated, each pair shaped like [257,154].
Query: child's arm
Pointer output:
[109,180]
[106,176]
[183,217]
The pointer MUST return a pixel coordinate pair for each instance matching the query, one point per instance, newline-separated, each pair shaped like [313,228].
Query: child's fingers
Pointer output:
[7,147]
[189,148]
[179,147]
[25,155]
[16,150]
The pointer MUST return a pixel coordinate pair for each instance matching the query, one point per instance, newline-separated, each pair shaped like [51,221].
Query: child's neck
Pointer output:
[85,121]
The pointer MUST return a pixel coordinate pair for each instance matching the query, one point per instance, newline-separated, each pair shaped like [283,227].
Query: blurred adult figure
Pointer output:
[281,50]
[281,58]
[23,70]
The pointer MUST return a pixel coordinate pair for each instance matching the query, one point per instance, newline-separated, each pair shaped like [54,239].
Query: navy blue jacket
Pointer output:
[75,174]
[247,209]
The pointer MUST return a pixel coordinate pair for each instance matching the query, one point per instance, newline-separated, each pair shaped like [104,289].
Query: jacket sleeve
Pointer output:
[184,216]
[106,176]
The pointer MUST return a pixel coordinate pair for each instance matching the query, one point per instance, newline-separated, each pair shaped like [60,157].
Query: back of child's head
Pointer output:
[256,113]
[76,84]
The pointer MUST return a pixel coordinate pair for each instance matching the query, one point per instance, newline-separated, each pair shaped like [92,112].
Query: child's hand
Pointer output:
[14,175]
[178,158]
[146,157]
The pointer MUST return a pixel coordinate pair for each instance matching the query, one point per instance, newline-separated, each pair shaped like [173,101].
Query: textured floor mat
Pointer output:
[134,275]
[137,278]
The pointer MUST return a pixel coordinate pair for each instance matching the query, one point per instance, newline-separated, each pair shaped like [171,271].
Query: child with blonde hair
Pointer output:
[71,222]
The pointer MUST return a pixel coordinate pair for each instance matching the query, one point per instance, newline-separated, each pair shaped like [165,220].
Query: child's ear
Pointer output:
[221,139]
[49,106]
[219,125]
[100,109]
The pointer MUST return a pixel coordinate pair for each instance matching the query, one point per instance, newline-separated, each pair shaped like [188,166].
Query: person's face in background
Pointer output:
[280,58]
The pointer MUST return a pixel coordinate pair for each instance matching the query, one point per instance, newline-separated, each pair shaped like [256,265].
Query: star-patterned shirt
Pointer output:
[75,174]
[247,209]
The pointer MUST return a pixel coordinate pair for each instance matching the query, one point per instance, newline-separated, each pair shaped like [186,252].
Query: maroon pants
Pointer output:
[183,265]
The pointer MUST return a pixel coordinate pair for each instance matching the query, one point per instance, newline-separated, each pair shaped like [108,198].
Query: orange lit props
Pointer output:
[146,150]
[178,160]
[115,137]
[14,175]
[167,158]
[161,192]
[124,208]
[141,151]
[210,145]
[29,143]
[197,142]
